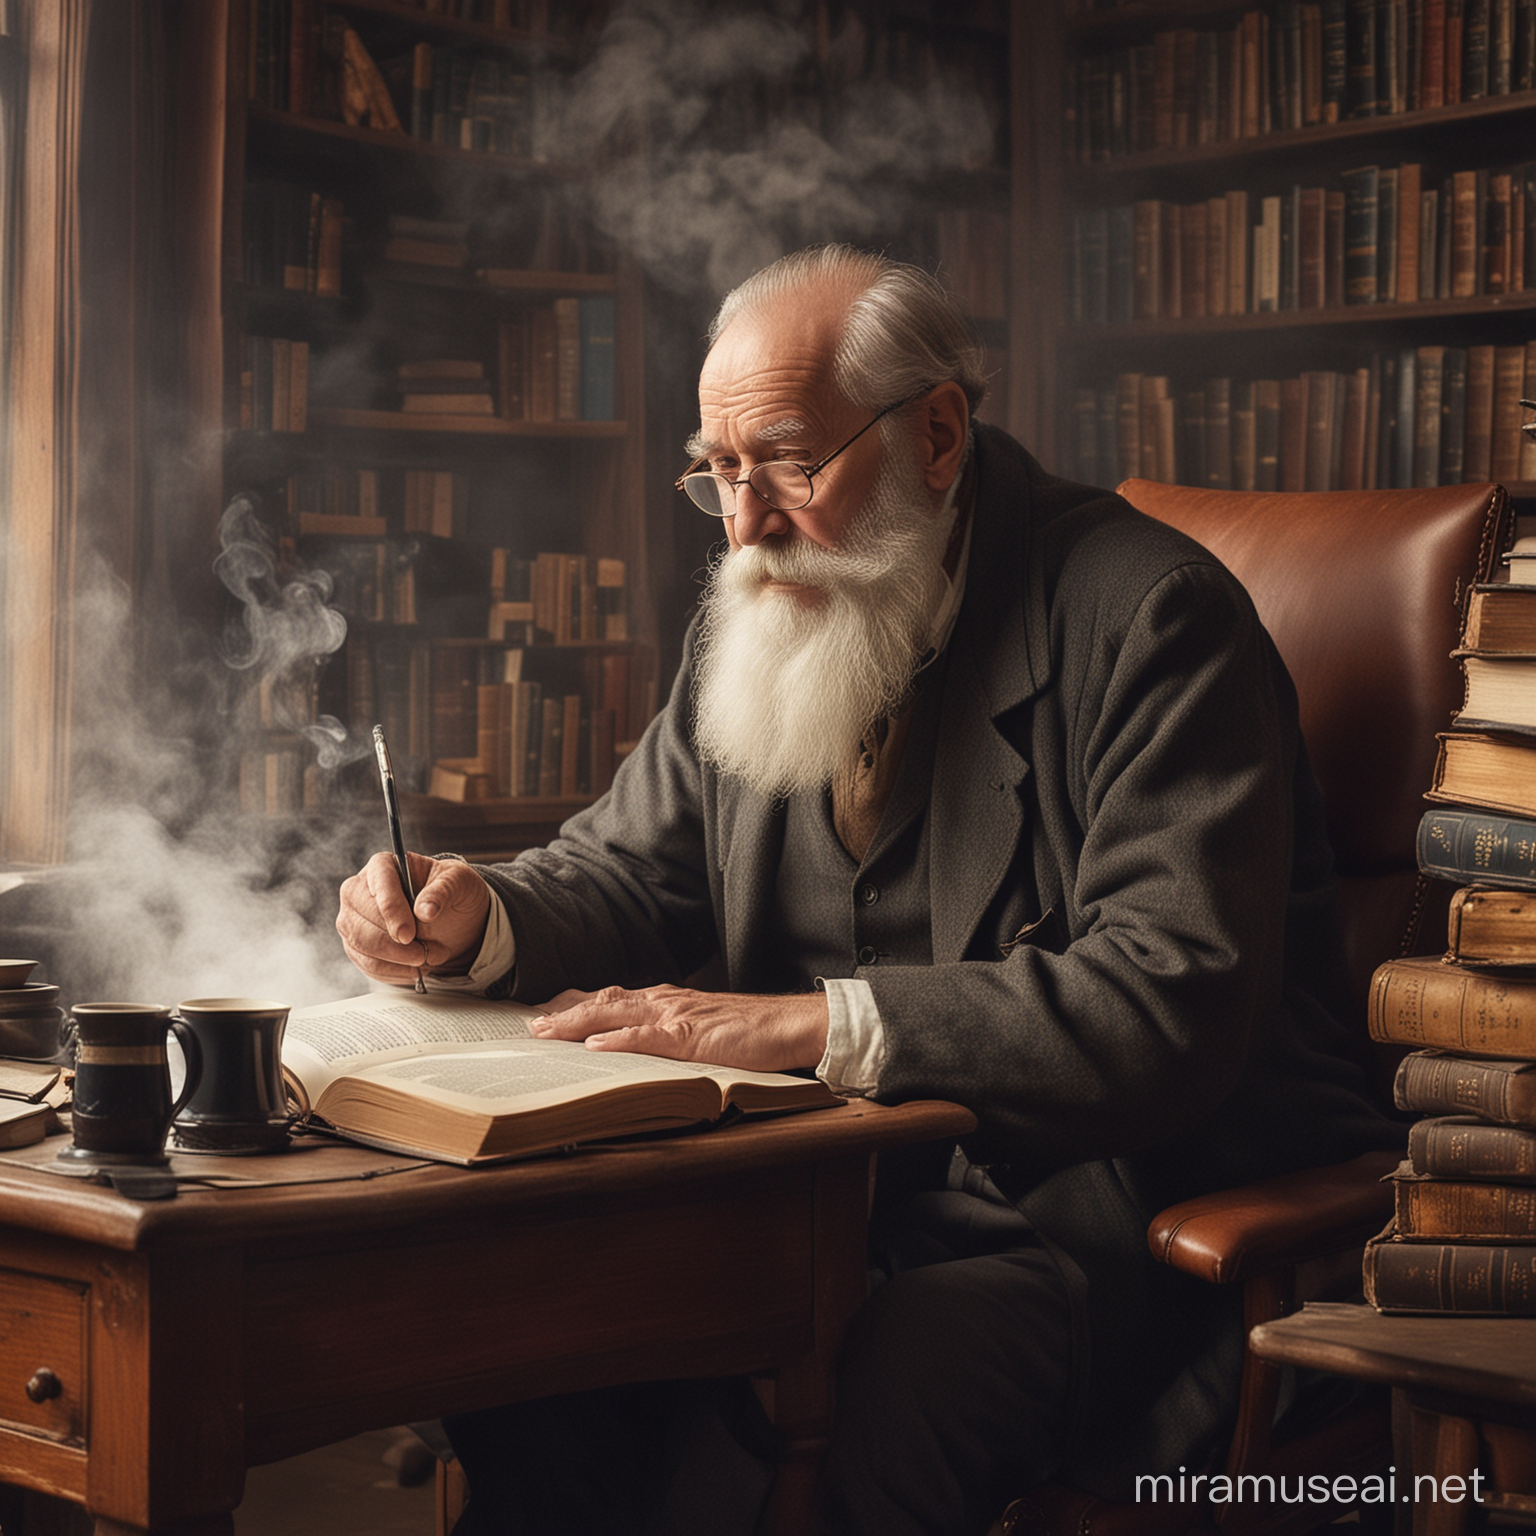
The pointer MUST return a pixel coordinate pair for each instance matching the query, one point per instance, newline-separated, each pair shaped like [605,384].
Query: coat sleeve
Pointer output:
[1176,789]
[621,896]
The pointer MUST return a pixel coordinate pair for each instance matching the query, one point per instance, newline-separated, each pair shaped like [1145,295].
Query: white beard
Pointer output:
[785,690]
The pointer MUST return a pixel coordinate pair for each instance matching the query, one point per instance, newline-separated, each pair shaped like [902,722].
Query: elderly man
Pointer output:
[981,786]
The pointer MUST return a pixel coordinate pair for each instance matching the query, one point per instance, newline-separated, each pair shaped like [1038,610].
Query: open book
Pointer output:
[461,1079]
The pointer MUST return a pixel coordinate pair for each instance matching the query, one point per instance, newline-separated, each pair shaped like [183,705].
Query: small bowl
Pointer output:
[14,973]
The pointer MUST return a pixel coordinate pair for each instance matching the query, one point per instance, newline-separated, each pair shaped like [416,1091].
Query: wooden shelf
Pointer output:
[475,642]
[487,831]
[388,142]
[1121,333]
[471,280]
[511,39]
[1356,130]
[480,426]
[1113,25]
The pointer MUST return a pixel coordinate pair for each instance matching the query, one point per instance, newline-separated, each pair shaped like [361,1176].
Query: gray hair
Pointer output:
[903,332]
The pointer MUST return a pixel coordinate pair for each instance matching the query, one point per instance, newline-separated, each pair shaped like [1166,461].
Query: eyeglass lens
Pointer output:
[779,483]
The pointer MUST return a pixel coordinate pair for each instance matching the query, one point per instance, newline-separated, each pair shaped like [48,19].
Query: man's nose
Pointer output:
[754,520]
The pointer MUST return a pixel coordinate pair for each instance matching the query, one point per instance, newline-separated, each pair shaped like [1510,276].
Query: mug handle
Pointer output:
[192,1054]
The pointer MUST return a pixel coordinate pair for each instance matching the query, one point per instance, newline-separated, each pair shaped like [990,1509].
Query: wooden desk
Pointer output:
[1464,1389]
[191,1338]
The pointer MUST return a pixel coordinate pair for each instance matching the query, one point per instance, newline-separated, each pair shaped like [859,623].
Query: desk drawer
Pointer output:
[42,1330]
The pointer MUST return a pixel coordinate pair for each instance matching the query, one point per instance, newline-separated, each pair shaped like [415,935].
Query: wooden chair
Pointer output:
[1363,593]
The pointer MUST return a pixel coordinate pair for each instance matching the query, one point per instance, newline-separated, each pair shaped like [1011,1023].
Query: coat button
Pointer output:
[868,955]
[869,894]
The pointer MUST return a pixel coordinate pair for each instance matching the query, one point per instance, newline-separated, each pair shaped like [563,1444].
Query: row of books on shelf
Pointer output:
[1463,1236]
[296,238]
[555,362]
[551,599]
[1381,236]
[339,500]
[1297,66]
[274,384]
[495,723]
[561,599]
[1423,416]
[292,238]
[308,60]
[531,743]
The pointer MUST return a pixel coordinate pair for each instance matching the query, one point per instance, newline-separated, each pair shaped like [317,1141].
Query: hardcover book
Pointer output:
[461,1080]
[1462,846]
[1477,1278]
[1443,1083]
[1423,1001]
[1463,1147]
[1463,1213]
[1492,927]
[1496,772]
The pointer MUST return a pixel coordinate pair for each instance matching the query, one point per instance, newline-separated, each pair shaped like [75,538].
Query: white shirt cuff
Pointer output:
[498,954]
[855,1037]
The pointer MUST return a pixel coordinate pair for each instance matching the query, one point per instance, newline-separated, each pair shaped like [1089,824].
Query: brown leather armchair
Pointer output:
[1362,592]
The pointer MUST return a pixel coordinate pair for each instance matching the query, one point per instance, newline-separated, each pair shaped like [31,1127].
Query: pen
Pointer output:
[392,806]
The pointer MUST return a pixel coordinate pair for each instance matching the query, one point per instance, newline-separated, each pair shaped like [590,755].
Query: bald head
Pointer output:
[892,329]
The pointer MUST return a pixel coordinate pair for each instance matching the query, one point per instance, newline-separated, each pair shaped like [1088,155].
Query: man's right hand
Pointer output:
[385,939]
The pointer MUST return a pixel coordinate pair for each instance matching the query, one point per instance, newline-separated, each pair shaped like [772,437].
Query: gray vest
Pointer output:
[835,916]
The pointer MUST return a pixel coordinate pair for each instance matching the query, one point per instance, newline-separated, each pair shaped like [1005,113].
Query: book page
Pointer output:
[752,1090]
[524,1076]
[324,1041]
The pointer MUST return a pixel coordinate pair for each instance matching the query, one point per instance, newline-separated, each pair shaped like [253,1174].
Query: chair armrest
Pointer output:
[1237,1233]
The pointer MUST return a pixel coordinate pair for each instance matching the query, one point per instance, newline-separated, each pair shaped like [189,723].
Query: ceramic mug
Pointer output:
[239,1106]
[122,1098]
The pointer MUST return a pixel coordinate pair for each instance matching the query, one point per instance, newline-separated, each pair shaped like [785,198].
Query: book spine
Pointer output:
[1468,845]
[597,368]
[1360,217]
[1453,416]
[1432,56]
[1426,416]
[1424,1003]
[1474,50]
[1361,44]
[1428,1083]
[1451,1277]
[1457,1147]
[1464,1212]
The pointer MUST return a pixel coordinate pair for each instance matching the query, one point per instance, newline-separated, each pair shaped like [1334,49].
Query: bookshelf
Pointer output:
[433,388]
[1174,344]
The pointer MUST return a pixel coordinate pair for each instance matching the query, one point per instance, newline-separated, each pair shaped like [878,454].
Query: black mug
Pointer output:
[239,1105]
[122,1100]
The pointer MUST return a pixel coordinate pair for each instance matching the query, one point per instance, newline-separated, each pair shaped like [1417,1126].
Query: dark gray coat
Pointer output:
[1118,776]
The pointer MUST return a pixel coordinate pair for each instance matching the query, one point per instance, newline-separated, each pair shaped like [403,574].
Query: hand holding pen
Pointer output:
[397,840]
[391,934]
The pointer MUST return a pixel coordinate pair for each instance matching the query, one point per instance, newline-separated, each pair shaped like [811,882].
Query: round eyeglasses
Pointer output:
[778,483]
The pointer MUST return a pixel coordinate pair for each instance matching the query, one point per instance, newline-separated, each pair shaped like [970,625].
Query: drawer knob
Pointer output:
[43,1385]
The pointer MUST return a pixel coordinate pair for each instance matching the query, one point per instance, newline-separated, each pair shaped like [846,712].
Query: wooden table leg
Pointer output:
[1444,1446]
[801,1400]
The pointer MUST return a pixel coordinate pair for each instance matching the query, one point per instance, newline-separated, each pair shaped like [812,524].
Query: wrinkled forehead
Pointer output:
[769,377]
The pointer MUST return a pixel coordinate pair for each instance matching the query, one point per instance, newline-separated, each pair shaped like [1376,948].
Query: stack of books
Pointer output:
[1464,1235]
[413,242]
[446,386]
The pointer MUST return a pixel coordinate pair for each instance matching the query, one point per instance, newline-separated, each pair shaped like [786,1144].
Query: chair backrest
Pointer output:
[1363,593]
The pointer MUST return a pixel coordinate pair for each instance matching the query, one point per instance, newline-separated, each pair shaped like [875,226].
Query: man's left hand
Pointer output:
[727,1029]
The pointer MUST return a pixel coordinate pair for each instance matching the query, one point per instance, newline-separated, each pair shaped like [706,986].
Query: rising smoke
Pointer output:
[724,137]
[174,895]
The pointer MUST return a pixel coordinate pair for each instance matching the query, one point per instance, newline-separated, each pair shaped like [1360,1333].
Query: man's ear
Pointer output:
[942,435]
